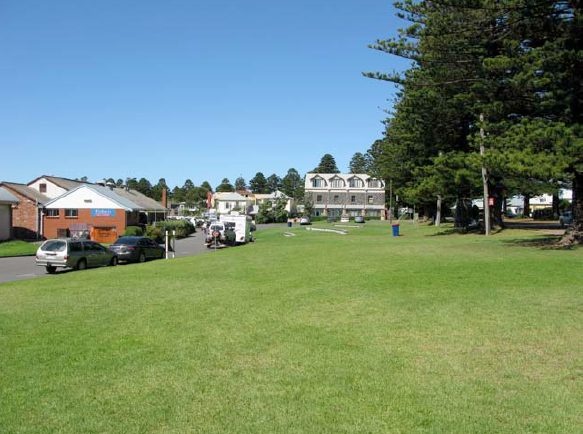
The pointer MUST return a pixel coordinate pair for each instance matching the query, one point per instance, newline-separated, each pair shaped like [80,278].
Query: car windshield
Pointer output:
[127,241]
[54,246]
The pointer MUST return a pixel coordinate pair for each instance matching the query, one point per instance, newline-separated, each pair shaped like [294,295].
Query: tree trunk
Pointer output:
[574,234]
[526,206]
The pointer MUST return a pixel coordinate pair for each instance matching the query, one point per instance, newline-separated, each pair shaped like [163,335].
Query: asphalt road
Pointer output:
[24,267]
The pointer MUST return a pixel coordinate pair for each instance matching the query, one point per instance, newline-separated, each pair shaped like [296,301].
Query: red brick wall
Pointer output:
[52,224]
[24,217]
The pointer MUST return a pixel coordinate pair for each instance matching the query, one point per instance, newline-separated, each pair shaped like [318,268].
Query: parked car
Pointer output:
[73,253]
[566,218]
[359,219]
[137,249]
[305,221]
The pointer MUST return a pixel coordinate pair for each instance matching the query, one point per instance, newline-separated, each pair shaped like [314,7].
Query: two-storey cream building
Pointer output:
[339,194]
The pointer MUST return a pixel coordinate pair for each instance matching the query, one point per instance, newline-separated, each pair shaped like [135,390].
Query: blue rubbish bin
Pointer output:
[395,230]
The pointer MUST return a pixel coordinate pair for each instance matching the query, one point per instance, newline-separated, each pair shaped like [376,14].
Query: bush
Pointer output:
[183,228]
[155,233]
[134,230]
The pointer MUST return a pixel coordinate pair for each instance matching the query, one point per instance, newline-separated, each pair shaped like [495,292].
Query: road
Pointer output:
[24,267]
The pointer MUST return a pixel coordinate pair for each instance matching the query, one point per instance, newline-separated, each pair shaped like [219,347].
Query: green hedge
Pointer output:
[183,228]
[133,230]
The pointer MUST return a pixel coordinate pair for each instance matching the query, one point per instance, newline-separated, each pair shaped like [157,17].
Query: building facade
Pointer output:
[7,201]
[335,195]
[27,213]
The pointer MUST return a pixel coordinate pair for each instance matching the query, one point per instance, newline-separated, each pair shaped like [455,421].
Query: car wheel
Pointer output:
[81,265]
[50,269]
[142,257]
[114,261]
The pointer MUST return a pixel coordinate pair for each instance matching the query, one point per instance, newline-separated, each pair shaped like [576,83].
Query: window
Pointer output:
[318,182]
[52,213]
[71,213]
[355,183]
[337,183]
[42,188]
[374,183]
[370,200]
[319,198]
[336,198]
[352,199]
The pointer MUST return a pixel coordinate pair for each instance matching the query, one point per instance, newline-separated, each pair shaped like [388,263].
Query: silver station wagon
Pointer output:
[71,253]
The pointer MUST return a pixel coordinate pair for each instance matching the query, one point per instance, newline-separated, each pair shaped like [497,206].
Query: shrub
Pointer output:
[155,233]
[134,230]
[183,228]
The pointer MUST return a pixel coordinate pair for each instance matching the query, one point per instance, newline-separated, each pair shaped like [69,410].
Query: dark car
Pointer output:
[136,249]
[73,253]
[566,219]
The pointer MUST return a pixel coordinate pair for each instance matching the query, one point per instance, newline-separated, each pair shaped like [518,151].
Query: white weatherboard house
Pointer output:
[7,200]
[225,202]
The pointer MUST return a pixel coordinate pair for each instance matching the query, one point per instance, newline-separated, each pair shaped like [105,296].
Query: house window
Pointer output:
[71,213]
[355,183]
[352,199]
[42,188]
[319,198]
[336,198]
[52,213]
[318,182]
[227,205]
[374,183]
[370,200]
[337,183]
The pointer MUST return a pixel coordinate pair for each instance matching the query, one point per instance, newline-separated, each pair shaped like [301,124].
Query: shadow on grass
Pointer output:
[546,242]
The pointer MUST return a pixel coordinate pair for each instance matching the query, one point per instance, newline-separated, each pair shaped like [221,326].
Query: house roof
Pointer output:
[7,197]
[144,202]
[26,191]
[275,195]
[122,202]
[229,196]
[66,183]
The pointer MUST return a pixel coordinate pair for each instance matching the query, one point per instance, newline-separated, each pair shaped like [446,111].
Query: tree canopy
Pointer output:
[501,75]
[327,165]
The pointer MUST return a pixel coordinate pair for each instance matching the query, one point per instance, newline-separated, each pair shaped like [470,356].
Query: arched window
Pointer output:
[318,182]
[374,183]
[337,183]
[355,182]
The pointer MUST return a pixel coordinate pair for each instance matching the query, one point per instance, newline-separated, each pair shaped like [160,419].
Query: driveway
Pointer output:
[24,267]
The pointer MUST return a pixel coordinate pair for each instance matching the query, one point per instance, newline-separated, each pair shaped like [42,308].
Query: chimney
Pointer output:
[164,198]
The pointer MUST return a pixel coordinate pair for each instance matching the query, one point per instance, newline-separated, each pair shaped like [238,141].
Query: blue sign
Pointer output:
[102,212]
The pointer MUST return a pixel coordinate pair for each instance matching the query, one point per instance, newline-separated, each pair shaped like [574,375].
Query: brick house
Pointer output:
[353,194]
[100,212]
[7,201]
[26,215]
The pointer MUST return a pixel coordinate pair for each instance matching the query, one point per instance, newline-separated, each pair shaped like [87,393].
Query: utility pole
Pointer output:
[486,205]
[438,212]
[390,201]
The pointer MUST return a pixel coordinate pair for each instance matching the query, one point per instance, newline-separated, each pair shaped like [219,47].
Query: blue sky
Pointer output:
[186,89]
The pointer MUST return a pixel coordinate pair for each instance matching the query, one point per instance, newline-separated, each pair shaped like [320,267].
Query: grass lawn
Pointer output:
[317,332]
[17,248]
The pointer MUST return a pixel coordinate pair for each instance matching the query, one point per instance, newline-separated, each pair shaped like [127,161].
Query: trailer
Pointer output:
[229,230]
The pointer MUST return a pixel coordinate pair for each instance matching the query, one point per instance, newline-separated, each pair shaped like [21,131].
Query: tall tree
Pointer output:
[144,186]
[273,183]
[258,184]
[358,163]
[157,189]
[225,186]
[206,185]
[292,184]
[327,165]
[240,184]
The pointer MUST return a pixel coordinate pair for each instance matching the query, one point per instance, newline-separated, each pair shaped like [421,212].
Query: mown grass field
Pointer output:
[316,333]
[18,248]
